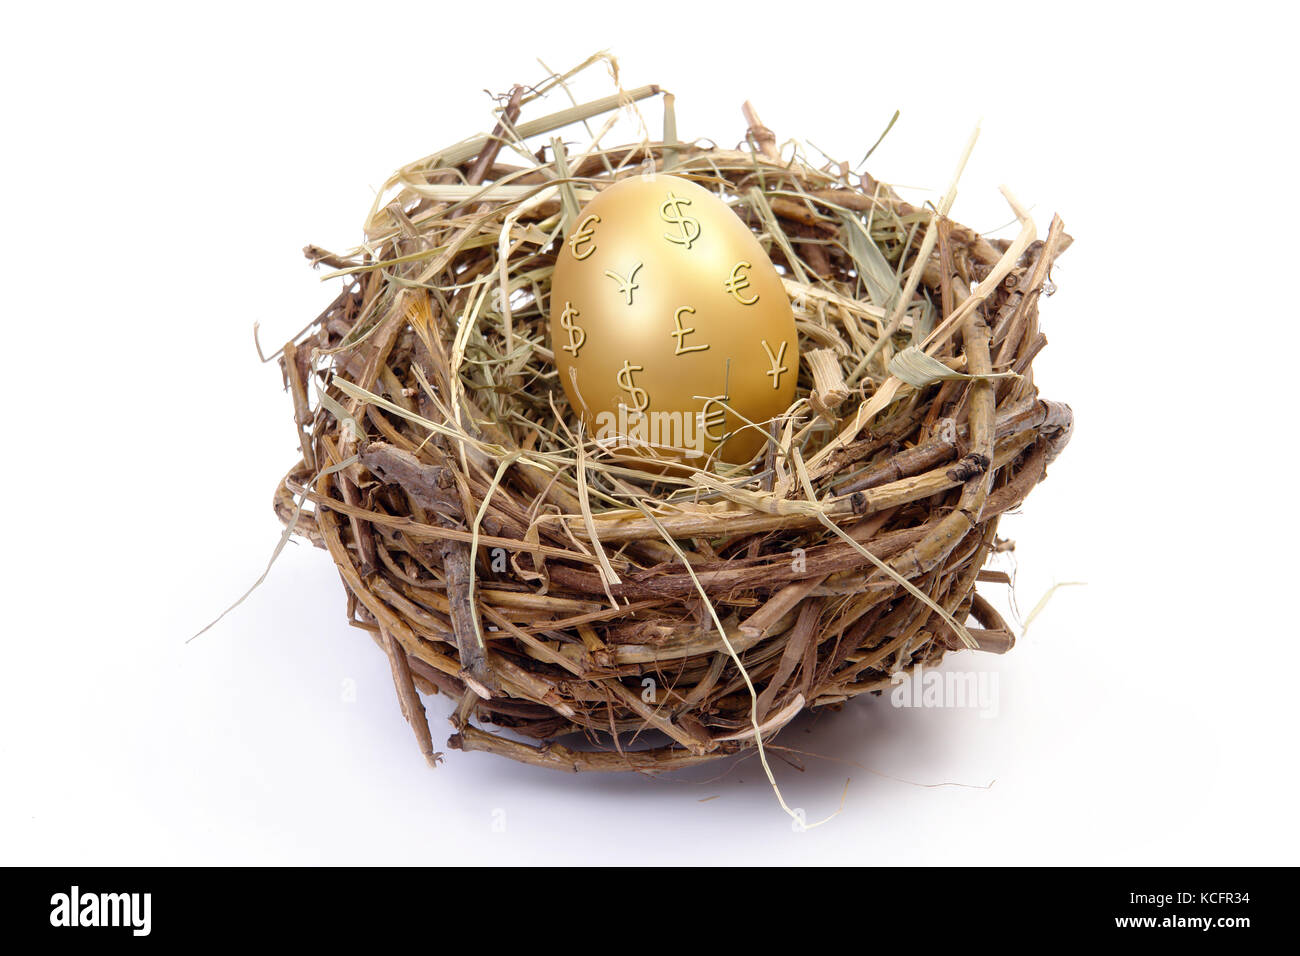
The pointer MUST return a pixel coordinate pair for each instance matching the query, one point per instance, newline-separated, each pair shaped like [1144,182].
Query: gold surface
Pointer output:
[663,301]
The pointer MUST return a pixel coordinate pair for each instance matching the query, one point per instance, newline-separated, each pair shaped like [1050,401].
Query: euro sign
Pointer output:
[671,213]
[737,283]
[714,416]
[640,400]
[584,236]
[576,335]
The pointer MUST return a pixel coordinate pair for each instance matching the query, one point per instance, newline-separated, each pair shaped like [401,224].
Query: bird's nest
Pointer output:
[598,617]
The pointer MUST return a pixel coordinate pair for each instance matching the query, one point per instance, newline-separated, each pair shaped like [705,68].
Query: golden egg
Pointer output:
[672,331]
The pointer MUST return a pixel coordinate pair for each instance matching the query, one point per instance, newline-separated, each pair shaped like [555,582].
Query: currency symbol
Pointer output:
[577,337]
[641,401]
[672,214]
[680,333]
[628,285]
[714,415]
[777,368]
[583,235]
[738,283]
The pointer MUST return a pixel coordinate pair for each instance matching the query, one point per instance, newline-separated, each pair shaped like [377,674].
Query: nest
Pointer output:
[583,615]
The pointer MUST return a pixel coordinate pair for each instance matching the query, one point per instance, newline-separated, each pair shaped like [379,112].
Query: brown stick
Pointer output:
[488,154]
[434,488]
[408,698]
[764,138]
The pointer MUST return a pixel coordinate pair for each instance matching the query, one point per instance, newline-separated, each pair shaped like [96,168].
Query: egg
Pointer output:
[672,331]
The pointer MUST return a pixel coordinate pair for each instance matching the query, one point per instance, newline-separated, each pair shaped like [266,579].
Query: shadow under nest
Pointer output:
[441,465]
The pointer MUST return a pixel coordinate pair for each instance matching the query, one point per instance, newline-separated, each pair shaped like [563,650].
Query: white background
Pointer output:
[162,168]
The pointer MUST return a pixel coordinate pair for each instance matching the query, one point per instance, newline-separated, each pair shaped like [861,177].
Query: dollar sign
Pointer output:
[672,214]
[576,335]
[640,400]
